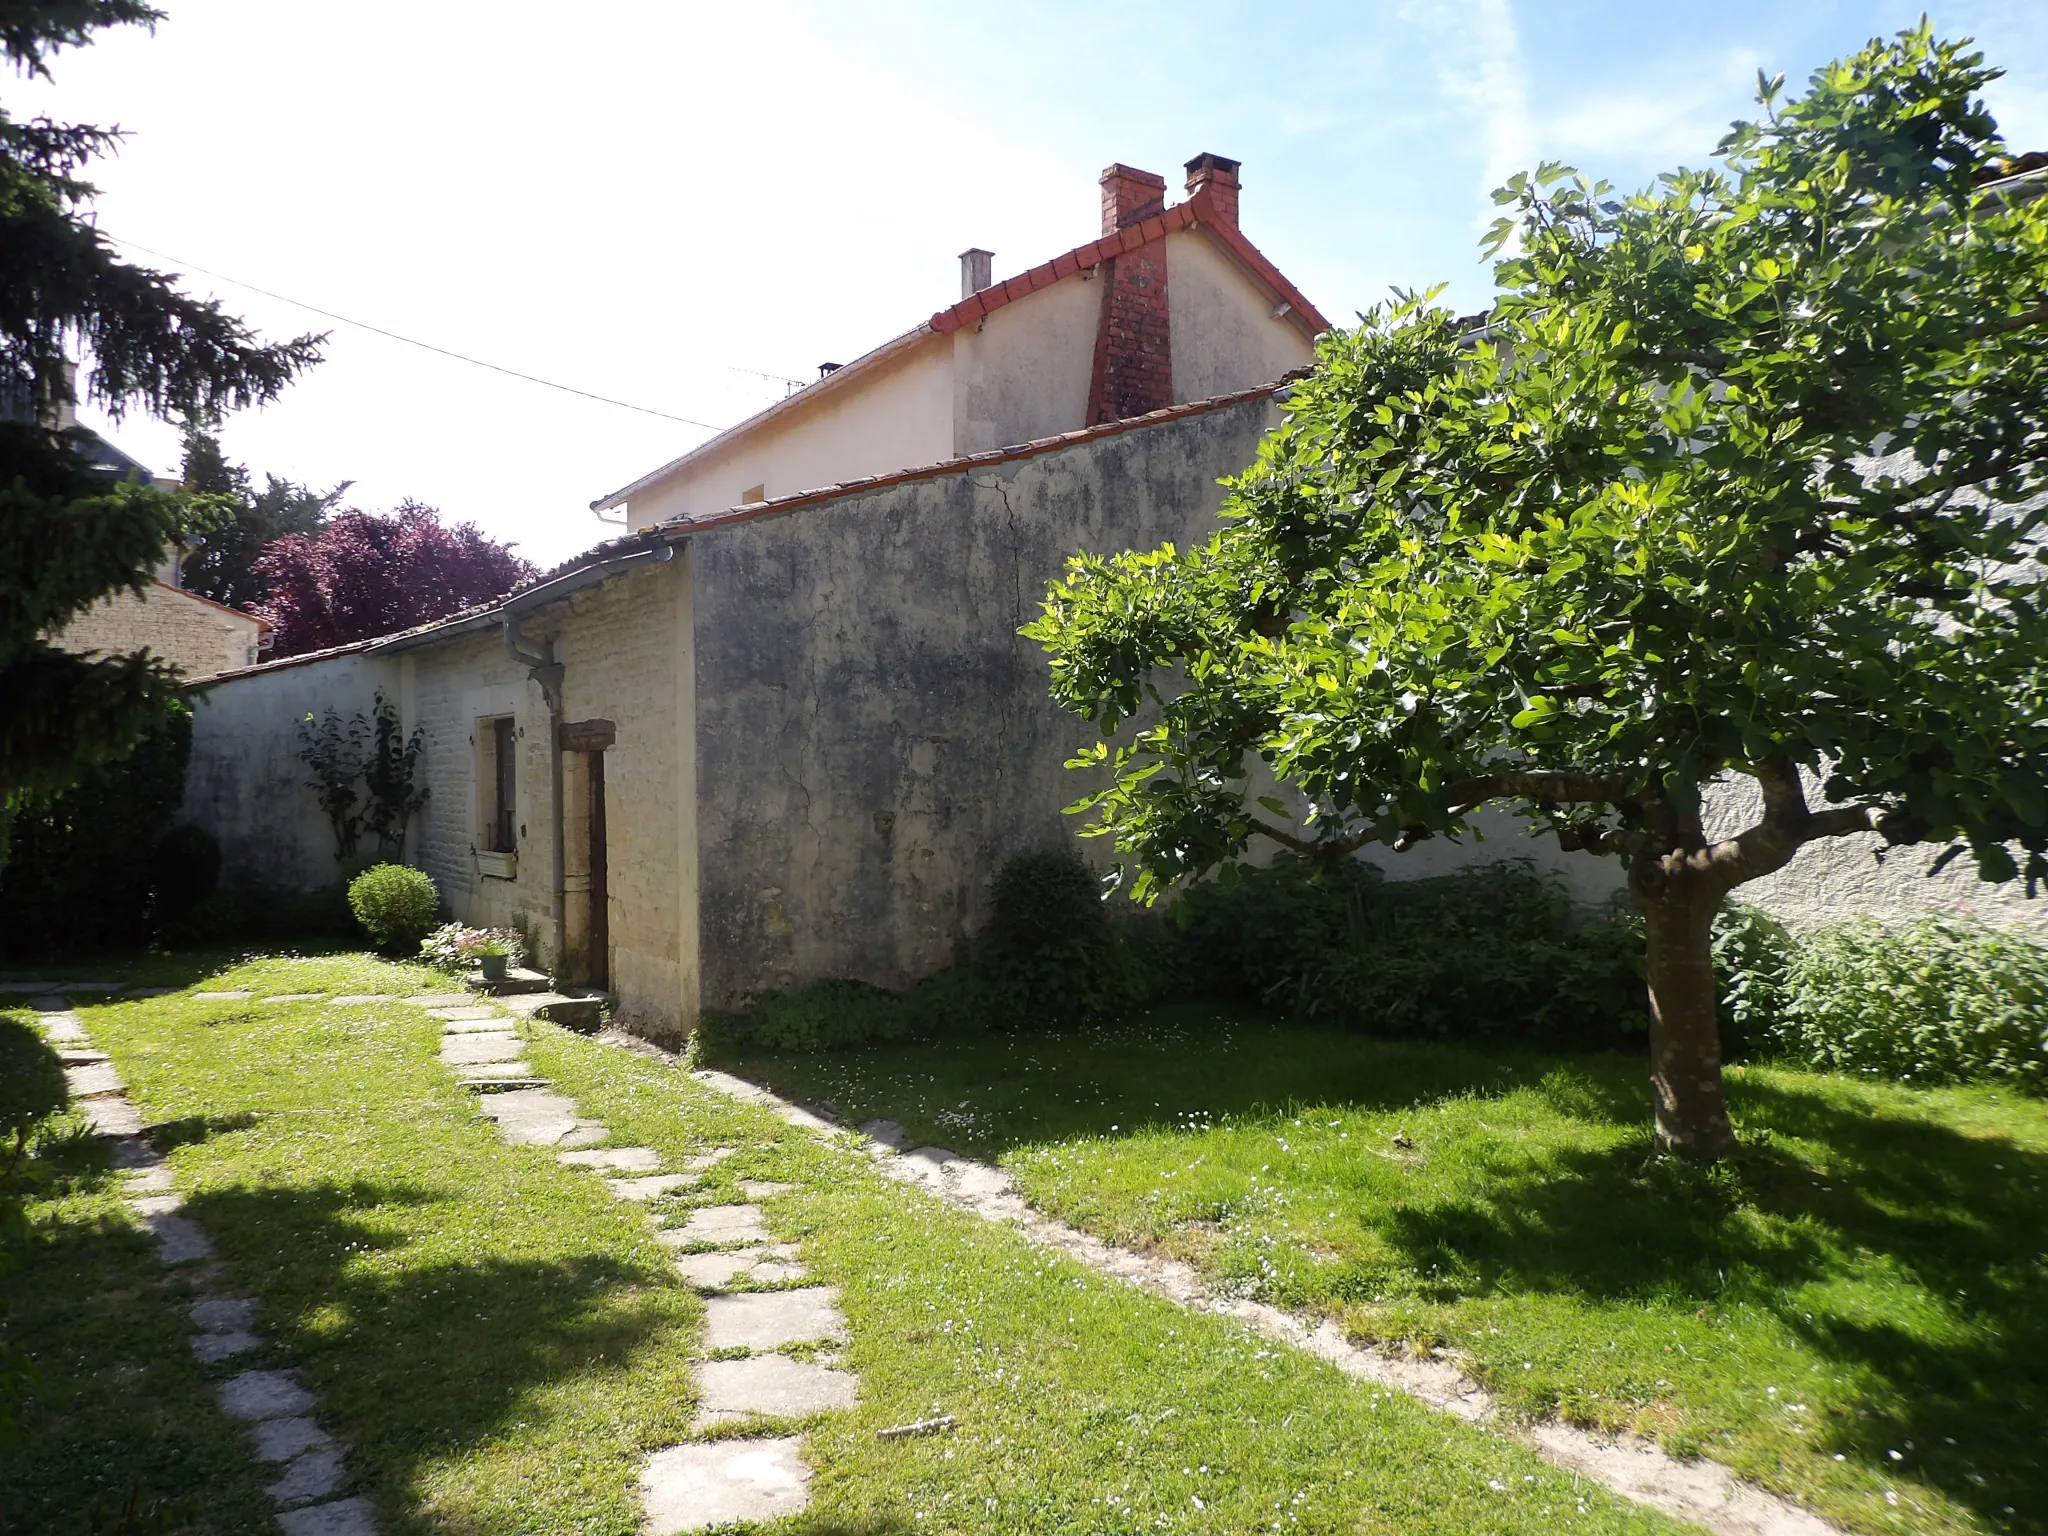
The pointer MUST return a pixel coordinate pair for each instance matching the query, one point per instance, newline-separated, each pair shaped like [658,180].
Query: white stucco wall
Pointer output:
[1024,372]
[893,415]
[1224,335]
[246,784]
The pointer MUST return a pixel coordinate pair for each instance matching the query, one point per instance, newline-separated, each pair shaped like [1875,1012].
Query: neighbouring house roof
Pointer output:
[240,613]
[681,530]
[1198,212]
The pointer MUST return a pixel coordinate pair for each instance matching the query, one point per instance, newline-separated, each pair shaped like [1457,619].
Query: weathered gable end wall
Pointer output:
[874,737]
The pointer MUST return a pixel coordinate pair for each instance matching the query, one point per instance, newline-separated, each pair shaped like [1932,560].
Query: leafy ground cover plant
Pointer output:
[1853,1312]
[456,947]
[1741,474]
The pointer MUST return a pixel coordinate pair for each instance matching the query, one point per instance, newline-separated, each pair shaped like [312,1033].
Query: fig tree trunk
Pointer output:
[1678,910]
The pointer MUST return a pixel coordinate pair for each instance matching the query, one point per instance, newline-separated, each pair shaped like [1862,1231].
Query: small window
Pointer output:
[504,792]
[753,494]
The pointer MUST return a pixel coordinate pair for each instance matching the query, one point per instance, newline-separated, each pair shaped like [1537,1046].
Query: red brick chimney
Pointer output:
[1219,176]
[1130,196]
[1134,342]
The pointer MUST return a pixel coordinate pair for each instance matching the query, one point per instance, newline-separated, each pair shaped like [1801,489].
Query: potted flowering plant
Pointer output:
[454,947]
[493,956]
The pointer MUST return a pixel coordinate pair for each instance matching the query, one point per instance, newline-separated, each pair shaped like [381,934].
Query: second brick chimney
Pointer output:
[1220,177]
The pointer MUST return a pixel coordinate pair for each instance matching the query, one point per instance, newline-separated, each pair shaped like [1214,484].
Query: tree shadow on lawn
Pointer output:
[1923,1225]
[988,1094]
[415,1367]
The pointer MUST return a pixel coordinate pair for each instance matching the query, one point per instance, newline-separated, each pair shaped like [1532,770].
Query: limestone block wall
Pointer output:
[194,635]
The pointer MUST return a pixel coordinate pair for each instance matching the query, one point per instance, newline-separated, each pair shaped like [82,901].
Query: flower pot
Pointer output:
[494,966]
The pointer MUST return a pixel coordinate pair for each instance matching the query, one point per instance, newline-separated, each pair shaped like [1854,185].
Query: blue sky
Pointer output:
[674,194]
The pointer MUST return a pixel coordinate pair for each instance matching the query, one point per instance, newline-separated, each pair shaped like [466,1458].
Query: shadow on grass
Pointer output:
[988,1093]
[419,1363]
[1919,1243]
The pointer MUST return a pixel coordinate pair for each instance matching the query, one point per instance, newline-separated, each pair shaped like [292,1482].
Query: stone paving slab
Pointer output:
[886,1133]
[90,1081]
[130,1151]
[62,1028]
[112,1116]
[653,1186]
[803,1119]
[773,1265]
[223,997]
[697,1162]
[344,1517]
[312,1475]
[81,1056]
[179,1239]
[465,1013]
[354,999]
[463,1050]
[282,1439]
[771,1319]
[719,1224]
[486,1071]
[698,1487]
[532,1117]
[617,1159]
[223,1314]
[155,1179]
[773,1386]
[495,1025]
[443,1000]
[138,993]
[294,997]
[587,1133]
[763,1189]
[213,1348]
[263,1395]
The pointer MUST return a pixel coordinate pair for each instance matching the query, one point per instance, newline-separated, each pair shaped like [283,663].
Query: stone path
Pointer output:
[756,1309]
[1701,1491]
[276,1408]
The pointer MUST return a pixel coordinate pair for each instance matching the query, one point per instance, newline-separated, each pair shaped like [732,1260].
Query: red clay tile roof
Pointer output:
[1198,212]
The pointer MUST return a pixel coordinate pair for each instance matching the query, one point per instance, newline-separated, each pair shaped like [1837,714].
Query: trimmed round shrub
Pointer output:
[396,905]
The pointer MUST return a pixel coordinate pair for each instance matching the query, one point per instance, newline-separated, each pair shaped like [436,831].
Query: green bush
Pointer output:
[396,905]
[185,870]
[1938,1000]
[79,874]
[1495,952]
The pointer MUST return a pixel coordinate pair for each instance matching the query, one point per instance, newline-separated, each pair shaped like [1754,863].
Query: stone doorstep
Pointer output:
[344,1517]
[571,1012]
[767,1320]
[619,1159]
[699,1487]
[518,979]
[769,1387]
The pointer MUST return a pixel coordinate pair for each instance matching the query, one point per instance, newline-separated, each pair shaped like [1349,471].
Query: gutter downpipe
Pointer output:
[545,668]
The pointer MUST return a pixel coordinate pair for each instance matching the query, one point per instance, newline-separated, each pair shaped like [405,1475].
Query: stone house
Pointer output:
[783,728]
[198,636]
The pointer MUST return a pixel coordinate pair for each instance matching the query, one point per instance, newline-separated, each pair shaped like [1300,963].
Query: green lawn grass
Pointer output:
[498,1343]
[1857,1313]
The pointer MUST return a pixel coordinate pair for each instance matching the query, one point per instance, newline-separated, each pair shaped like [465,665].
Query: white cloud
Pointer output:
[1483,76]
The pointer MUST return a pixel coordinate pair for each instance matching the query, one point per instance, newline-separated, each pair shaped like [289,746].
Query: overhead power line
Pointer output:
[428,346]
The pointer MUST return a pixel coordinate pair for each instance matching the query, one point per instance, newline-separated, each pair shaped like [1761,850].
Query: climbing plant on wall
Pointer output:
[365,772]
